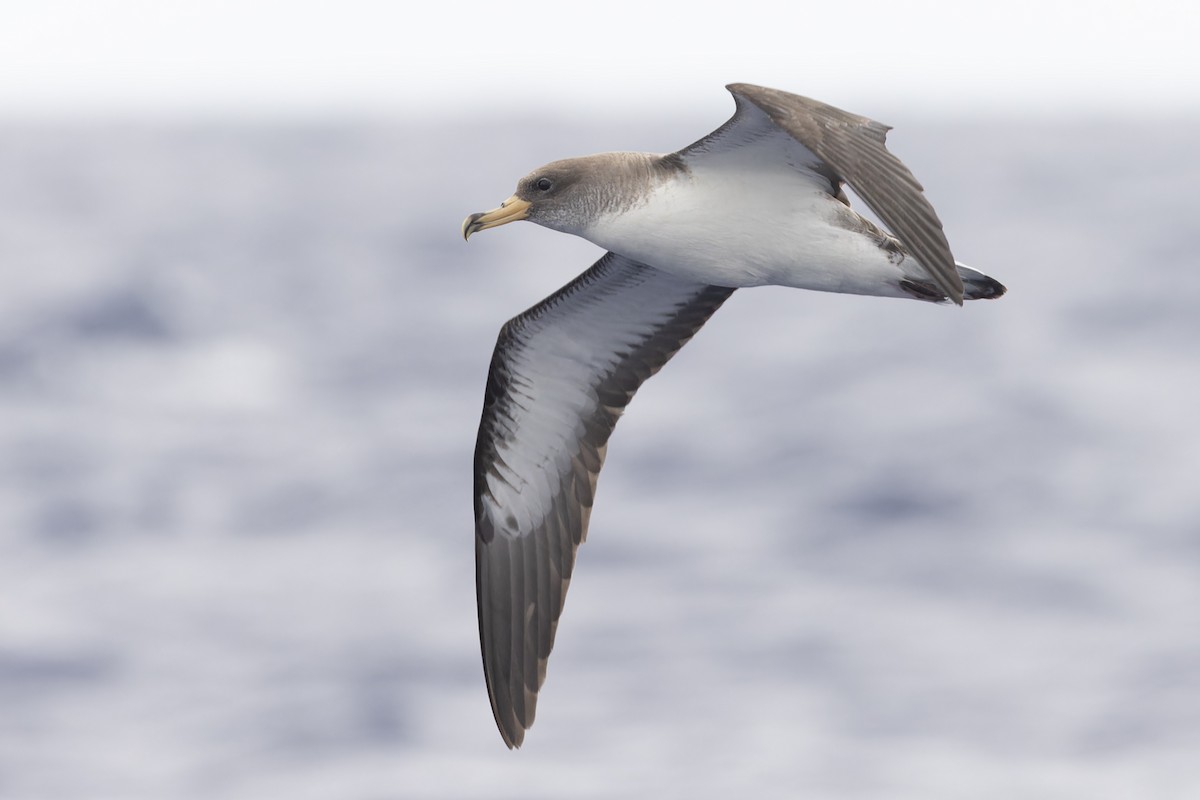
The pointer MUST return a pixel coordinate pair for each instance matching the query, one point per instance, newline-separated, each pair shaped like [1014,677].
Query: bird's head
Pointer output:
[566,195]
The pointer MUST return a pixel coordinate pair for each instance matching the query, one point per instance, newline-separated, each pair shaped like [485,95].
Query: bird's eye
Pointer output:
[544,184]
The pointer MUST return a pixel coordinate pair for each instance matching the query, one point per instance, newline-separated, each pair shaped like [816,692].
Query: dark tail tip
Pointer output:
[981,287]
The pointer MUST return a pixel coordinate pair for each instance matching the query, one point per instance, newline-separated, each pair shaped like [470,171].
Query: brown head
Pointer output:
[566,195]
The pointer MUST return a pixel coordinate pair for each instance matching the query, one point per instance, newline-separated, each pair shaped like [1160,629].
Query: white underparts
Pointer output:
[733,225]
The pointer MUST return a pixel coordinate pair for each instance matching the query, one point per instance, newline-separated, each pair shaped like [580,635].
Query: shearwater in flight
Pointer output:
[759,201]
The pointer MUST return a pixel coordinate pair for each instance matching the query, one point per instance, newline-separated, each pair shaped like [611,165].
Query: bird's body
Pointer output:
[759,201]
[715,224]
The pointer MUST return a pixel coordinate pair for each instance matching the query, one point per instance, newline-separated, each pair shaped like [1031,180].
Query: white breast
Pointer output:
[733,225]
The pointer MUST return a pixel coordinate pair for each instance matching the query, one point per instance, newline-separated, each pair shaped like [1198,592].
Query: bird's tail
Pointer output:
[976,286]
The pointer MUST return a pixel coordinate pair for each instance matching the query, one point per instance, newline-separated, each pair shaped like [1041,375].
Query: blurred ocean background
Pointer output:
[843,547]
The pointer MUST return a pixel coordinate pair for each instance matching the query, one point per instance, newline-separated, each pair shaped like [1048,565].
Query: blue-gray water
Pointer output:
[843,547]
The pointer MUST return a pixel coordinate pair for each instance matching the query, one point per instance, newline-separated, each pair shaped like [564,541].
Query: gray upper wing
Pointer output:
[561,375]
[849,148]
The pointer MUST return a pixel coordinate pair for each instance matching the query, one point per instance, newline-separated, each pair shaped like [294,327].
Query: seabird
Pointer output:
[759,201]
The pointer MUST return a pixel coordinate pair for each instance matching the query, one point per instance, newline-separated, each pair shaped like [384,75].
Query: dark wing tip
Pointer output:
[512,728]
[779,101]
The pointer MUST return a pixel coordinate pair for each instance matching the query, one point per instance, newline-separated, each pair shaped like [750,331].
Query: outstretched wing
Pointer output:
[561,375]
[841,147]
